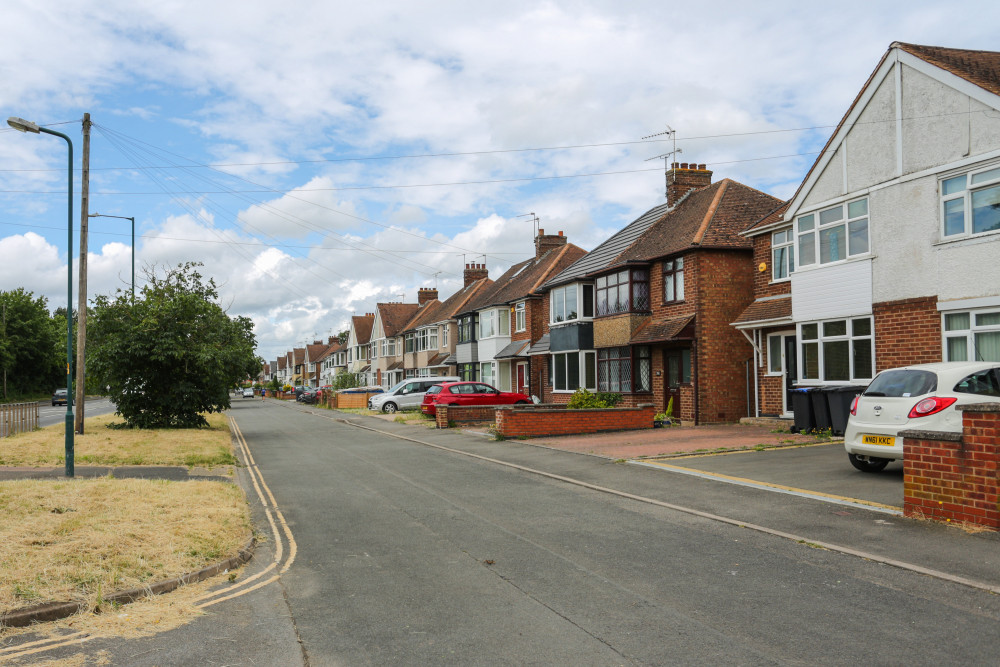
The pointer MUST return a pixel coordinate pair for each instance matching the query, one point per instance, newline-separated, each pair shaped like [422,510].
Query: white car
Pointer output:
[248,393]
[920,397]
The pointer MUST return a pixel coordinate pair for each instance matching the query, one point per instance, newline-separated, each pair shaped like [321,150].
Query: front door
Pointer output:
[790,371]
[674,363]
[522,378]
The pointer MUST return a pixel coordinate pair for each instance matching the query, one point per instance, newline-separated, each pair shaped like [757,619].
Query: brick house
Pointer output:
[647,313]
[386,353]
[429,338]
[359,347]
[894,232]
[497,328]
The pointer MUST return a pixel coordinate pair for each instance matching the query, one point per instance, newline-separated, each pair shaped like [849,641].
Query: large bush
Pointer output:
[170,354]
[584,400]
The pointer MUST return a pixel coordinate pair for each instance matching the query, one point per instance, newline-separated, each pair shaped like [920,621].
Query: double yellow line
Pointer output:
[276,568]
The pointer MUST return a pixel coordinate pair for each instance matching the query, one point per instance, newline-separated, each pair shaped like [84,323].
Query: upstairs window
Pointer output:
[782,254]
[833,234]
[410,343]
[520,322]
[432,338]
[623,292]
[444,335]
[673,280]
[467,329]
[970,203]
[571,302]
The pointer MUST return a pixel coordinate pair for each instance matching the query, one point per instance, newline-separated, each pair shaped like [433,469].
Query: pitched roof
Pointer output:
[766,310]
[979,67]
[597,259]
[525,278]
[712,216]
[316,350]
[330,349]
[394,316]
[774,217]
[659,330]
[436,311]
[362,328]
[298,355]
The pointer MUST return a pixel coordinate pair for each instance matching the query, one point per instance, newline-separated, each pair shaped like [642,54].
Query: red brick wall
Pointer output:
[762,285]
[955,480]
[513,422]
[463,414]
[725,289]
[907,332]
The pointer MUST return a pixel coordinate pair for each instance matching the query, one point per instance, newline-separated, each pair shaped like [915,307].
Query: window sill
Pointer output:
[969,239]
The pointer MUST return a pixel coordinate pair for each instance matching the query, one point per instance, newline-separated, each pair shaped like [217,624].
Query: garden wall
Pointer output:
[512,422]
[953,477]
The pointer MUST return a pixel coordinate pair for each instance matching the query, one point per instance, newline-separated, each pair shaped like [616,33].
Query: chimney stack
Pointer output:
[474,272]
[545,242]
[426,294]
[683,178]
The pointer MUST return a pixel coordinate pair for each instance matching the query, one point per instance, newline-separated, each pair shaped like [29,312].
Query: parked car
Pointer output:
[407,394]
[307,395]
[248,392]
[468,393]
[914,397]
[59,397]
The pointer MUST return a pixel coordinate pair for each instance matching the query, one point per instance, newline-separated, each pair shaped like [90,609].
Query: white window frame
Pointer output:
[851,335]
[581,361]
[520,317]
[503,321]
[784,241]
[491,365]
[972,182]
[432,338]
[969,333]
[771,357]
[444,334]
[557,297]
[808,227]
[487,324]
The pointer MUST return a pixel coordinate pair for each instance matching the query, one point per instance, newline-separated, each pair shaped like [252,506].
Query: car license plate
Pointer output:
[881,440]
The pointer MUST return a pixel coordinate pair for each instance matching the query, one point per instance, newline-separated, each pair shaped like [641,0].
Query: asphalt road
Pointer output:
[429,553]
[49,414]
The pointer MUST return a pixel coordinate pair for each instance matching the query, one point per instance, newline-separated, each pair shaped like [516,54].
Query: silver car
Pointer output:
[920,397]
[407,394]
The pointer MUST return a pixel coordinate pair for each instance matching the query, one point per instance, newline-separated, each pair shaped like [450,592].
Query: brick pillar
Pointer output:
[953,478]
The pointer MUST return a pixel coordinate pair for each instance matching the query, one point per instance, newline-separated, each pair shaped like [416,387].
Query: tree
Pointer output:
[32,345]
[170,354]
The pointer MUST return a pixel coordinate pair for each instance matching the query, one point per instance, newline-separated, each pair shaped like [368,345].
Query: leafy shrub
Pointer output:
[584,400]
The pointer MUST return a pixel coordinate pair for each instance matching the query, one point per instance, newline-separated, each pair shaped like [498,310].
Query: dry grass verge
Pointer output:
[117,447]
[77,540]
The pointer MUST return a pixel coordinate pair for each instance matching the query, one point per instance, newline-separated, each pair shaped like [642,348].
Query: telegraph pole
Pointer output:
[81,330]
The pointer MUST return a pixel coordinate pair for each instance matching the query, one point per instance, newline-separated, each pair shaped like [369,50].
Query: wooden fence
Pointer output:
[17,417]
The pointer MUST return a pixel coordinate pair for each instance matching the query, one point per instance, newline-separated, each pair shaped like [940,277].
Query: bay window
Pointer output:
[833,234]
[467,329]
[571,302]
[622,292]
[572,370]
[837,350]
[625,369]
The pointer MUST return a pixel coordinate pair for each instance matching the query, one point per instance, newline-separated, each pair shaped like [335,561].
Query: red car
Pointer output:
[468,393]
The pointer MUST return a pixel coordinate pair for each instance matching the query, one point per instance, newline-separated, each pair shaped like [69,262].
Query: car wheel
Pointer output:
[389,408]
[522,403]
[868,463]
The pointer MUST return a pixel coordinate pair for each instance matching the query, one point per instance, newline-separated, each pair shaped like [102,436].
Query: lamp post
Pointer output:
[132,220]
[22,125]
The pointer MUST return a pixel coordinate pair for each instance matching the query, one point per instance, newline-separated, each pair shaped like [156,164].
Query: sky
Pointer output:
[321,157]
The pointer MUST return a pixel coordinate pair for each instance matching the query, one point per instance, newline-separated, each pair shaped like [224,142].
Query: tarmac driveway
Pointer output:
[728,451]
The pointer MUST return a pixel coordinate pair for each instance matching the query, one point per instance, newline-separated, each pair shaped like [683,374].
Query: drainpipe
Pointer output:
[757,358]
[697,380]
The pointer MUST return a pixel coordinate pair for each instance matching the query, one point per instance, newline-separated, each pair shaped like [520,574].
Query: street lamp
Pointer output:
[22,125]
[123,217]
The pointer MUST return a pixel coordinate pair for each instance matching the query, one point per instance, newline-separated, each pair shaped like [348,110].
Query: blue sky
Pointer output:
[321,157]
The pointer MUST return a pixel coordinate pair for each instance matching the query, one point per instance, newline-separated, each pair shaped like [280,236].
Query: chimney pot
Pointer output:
[702,167]
[684,165]
[541,232]
[560,232]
